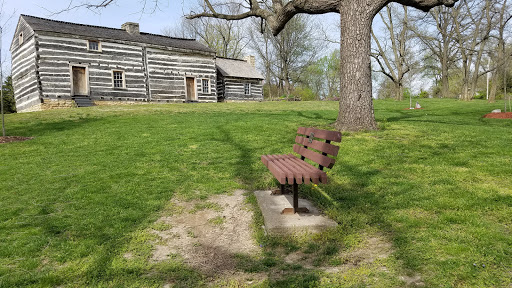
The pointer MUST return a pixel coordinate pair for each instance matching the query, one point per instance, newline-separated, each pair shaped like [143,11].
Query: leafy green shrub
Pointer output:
[304,94]
[480,95]
[436,92]
[423,94]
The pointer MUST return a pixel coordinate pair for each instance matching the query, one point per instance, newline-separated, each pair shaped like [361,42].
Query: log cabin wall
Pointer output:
[54,64]
[24,72]
[169,69]
[235,90]
[220,88]
[58,54]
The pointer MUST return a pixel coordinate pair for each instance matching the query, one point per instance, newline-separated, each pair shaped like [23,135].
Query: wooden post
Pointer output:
[295,197]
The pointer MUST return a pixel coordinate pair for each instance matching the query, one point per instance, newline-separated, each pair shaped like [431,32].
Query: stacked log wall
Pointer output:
[58,54]
[168,70]
[235,91]
[24,77]
[220,87]
[42,70]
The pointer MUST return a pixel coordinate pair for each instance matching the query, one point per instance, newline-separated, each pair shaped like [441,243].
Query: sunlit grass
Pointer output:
[82,195]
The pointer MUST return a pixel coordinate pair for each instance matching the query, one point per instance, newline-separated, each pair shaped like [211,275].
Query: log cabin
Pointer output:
[59,64]
[238,80]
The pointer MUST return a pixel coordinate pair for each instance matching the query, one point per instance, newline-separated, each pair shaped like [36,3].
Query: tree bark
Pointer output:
[445,80]
[356,105]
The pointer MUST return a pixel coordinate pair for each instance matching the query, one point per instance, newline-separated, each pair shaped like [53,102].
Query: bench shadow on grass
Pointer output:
[354,205]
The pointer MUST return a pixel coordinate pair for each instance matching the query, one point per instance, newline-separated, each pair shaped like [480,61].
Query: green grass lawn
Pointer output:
[437,183]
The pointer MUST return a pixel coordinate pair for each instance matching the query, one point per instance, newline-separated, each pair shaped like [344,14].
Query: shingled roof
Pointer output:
[237,68]
[42,24]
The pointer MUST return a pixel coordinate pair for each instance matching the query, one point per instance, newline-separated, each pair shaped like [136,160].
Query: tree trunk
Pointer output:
[476,73]
[398,91]
[356,106]
[445,81]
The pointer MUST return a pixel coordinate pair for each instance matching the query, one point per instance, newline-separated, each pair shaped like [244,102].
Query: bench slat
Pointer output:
[314,156]
[298,173]
[312,174]
[317,174]
[305,173]
[287,171]
[318,145]
[275,170]
[321,134]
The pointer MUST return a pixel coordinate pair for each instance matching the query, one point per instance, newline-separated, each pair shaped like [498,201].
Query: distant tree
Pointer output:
[286,55]
[8,92]
[323,76]
[435,30]
[500,58]
[394,62]
[386,89]
[471,34]
[227,38]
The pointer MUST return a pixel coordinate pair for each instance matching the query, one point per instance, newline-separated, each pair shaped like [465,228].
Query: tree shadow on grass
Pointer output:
[402,115]
[314,116]
[243,170]
[39,128]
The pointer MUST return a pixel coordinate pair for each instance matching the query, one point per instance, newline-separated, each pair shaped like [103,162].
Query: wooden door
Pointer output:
[191,88]
[79,81]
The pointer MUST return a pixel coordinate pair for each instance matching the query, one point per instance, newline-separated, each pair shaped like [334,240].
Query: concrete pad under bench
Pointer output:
[277,223]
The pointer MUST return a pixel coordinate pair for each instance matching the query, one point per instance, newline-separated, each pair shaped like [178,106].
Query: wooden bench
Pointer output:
[289,169]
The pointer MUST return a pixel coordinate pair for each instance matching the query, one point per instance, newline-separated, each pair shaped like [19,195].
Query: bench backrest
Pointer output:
[307,141]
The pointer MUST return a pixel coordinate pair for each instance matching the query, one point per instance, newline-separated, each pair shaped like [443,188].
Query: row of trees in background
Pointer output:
[455,50]
[458,49]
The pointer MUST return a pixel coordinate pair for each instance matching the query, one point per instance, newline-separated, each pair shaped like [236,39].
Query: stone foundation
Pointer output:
[243,101]
[117,103]
[51,104]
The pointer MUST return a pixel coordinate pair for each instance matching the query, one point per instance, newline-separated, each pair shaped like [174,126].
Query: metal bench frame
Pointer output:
[289,169]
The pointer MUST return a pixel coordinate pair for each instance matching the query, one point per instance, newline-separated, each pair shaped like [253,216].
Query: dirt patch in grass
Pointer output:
[502,115]
[9,139]
[209,235]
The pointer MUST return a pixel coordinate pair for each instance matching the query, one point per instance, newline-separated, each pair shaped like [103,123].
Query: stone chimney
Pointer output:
[131,27]
[251,60]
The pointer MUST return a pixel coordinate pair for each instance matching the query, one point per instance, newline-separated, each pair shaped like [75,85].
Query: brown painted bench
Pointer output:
[288,169]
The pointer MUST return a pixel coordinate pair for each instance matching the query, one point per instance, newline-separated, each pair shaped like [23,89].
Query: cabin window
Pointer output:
[247,88]
[118,79]
[94,45]
[20,38]
[206,86]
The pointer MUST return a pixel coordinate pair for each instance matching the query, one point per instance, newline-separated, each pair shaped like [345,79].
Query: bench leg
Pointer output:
[295,196]
[296,208]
